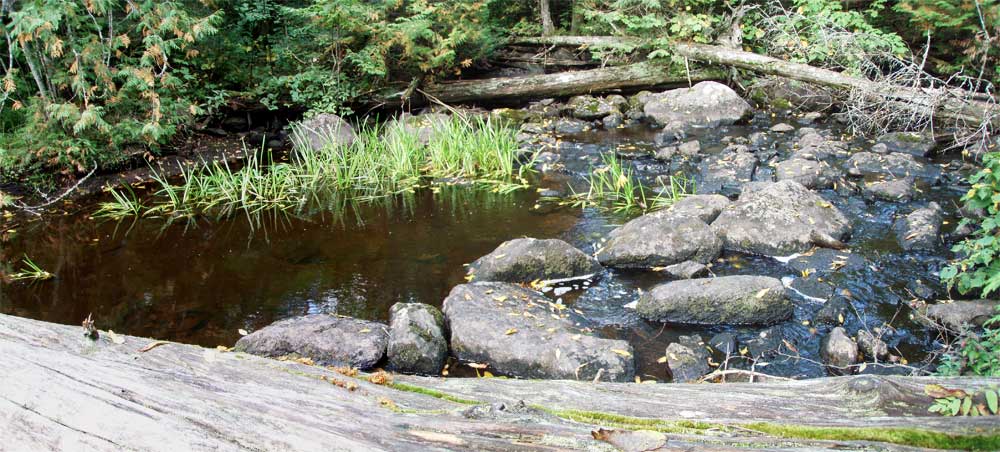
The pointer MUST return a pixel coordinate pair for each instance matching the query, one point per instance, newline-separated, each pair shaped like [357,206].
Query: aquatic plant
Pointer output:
[975,354]
[31,272]
[123,204]
[382,162]
[615,186]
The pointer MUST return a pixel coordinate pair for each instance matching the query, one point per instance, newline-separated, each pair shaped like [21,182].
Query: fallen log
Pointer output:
[954,105]
[62,391]
[593,81]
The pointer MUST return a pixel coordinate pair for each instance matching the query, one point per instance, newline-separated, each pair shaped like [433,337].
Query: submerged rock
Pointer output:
[706,104]
[895,164]
[688,359]
[833,312]
[919,230]
[779,219]
[838,351]
[323,130]
[825,260]
[519,332]
[810,173]
[899,190]
[416,339]
[569,126]
[959,315]
[729,300]
[727,173]
[913,143]
[326,339]
[686,270]
[660,239]
[525,260]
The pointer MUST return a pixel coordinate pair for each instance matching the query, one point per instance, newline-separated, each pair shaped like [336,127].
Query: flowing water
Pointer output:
[201,282]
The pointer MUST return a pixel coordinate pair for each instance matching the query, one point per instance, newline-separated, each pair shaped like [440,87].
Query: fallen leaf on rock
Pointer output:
[242,332]
[152,345]
[115,338]
[939,392]
[621,352]
[631,441]
[510,331]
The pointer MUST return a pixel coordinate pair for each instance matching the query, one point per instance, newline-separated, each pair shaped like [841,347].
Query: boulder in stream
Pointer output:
[590,108]
[326,339]
[417,341]
[898,190]
[894,164]
[706,104]
[323,130]
[688,359]
[810,173]
[660,239]
[520,332]
[527,259]
[919,230]
[913,143]
[962,314]
[838,351]
[726,300]
[779,219]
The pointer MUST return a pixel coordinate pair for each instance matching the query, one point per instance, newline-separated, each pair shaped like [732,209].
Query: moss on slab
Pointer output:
[905,436]
[433,393]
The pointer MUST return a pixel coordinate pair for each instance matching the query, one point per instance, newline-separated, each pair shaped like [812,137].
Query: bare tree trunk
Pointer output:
[547,26]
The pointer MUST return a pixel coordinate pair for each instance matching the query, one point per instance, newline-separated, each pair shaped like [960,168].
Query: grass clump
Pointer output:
[380,163]
[31,272]
[614,185]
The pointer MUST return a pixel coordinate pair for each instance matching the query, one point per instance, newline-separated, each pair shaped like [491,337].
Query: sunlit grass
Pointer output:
[30,272]
[382,162]
[614,186]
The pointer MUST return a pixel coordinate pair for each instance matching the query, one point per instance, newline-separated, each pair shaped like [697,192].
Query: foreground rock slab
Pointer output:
[727,300]
[326,339]
[527,260]
[65,393]
[520,332]
[780,219]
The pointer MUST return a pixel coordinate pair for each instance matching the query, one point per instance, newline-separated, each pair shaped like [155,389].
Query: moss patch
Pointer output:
[905,436]
[632,423]
[433,393]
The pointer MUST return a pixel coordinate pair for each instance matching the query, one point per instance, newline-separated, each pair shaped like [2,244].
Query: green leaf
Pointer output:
[954,405]
[966,405]
[991,400]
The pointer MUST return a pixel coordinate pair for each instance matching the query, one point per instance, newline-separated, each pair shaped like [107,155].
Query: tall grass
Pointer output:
[381,162]
[31,272]
[614,185]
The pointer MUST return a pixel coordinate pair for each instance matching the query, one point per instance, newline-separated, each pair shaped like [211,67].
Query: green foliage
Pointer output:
[978,269]
[614,185]
[823,32]
[87,79]
[31,272]
[965,34]
[977,354]
[692,20]
[956,402]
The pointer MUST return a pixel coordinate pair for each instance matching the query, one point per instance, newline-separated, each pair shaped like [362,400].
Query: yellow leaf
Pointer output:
[743,351]
[242,332]
[622,352]
[662,359]
[762,292]
[510,331]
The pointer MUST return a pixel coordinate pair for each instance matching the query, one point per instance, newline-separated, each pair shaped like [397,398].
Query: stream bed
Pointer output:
[202,282]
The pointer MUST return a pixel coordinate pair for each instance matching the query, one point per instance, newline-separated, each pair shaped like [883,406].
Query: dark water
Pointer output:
[201,282]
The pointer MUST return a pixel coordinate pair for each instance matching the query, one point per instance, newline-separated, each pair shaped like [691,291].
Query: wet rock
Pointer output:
[873,347]
[825,260]
[706,104]
[671,133]
[659,239]
[810,118]
[729,300]
[513,330]
[912,143]
[811,145]
[959,315]
[894,164]
[704,207]
[726,174]
[838,351]
[787,94]
[688,359]
[814,287]
[758,140]
[612,120]
[525,260]
[323,130]
[898,190]
[590,108]
[686,270]
[724,343]
[779,219]
[689,148]
[666,153]
[917,289]
[417,342]
[919,230]
[782,128]
[810,173]
[766,343]
[833,312]
[326,339]
[423,126]
[569,126]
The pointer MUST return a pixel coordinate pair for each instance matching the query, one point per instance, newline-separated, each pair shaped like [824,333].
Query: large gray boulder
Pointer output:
[527,259]
[727,172]
[963,314]
[323,130]
[899,190]
[326,339]
[704,207]
[920,230]
[417,341]
[660,239]
[520,332]
[728,300]
[590,108]
[707,104]
[779,219]
[913,143]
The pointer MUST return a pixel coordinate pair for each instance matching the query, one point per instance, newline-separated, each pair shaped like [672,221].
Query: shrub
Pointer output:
[978,268]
